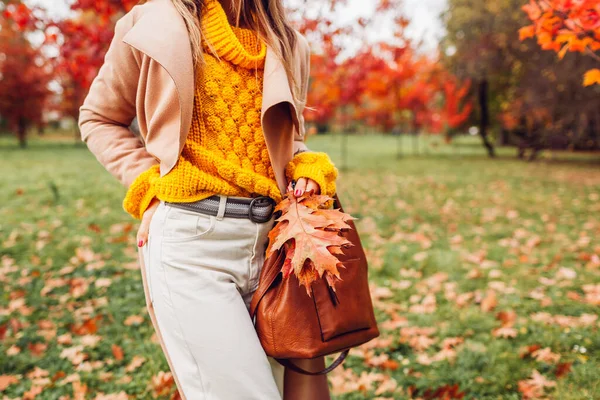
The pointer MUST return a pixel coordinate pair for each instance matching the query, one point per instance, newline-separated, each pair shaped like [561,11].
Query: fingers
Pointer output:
[290,186]
[142,234]
[306,185]
[300,187]
[313,186]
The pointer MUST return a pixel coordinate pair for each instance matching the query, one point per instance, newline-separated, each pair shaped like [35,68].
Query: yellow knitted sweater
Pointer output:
[225,151]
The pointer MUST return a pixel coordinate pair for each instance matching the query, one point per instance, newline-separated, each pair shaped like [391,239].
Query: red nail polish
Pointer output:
[298,193]
[140,243]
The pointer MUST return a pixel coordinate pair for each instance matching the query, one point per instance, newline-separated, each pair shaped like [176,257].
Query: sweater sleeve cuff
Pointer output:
[141,193]
[316,166]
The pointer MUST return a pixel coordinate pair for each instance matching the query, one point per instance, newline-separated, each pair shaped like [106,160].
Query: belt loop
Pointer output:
[222,204]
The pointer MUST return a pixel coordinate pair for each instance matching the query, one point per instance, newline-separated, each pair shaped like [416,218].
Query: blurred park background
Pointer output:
[467,133]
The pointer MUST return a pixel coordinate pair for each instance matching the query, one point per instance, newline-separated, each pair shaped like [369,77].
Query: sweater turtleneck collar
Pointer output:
[239,46]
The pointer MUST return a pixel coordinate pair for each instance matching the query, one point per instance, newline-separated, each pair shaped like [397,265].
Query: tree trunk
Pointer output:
[22,133]
[522,149]
[505,134]
[535,151]
[484,122]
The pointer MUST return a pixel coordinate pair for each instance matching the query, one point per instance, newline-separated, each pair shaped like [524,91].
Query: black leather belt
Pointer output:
[257,209]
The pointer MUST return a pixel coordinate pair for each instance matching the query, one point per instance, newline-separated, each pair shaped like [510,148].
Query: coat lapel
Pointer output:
[161,34]
[276,85]
[278,117]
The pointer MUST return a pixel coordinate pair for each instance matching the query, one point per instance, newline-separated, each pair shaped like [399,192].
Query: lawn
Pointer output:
[485,275]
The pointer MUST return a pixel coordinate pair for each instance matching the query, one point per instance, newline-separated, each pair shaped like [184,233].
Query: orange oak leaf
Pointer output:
[526,32]
[287,264]
[535,386]
[90,326]
[562,369]
[336,217]
[117,352]
[592,77]
[162,383]
[7,380]
[310,238]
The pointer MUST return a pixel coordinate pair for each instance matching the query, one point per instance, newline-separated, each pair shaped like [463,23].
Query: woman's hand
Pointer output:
[304,185]
[142,235]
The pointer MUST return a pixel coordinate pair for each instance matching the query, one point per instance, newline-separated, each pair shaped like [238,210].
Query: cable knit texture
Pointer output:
[316,166]
[225,151]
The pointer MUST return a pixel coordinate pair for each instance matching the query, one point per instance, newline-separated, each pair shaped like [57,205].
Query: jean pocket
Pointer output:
[182,225]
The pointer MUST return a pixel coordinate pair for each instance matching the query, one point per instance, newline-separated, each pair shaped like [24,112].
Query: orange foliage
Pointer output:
[405,89]
[311,239]
[82,42]
[565,26]
[388,85]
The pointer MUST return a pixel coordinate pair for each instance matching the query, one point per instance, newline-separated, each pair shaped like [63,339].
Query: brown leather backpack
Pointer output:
[290,324]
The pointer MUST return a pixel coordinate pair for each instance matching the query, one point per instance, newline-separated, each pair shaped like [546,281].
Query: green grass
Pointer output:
[443,229]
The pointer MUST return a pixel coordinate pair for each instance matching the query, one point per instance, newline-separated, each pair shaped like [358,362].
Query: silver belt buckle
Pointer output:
[258,201]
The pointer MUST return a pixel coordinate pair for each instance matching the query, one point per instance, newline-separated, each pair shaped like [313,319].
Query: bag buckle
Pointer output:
[260,201]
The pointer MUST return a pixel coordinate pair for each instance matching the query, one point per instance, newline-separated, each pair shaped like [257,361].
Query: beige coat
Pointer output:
[148,73]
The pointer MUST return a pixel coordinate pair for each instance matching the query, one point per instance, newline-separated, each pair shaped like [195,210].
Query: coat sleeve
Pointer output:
[300,133]
[110,107]
[307,164]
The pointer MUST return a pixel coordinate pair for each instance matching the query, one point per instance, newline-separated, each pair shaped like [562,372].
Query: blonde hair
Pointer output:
[266,17]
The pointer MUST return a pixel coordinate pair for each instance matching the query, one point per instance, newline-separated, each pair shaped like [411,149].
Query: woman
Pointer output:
[218,89]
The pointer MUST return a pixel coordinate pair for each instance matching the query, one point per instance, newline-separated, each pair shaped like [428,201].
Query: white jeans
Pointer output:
[199,274]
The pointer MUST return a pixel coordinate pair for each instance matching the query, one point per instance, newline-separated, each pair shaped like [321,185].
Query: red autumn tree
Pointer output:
[24,75]
[80,41]
[83,41]
[316,20]
[387,85]
[566,25]
[383,85]
[85,37]
[456,109]
[411,91]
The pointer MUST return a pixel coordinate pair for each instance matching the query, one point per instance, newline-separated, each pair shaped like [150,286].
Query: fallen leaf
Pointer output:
[562,369]
[117,352]
[6,381]
[134,320]
[535,386]
[489,302]
[135,363]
